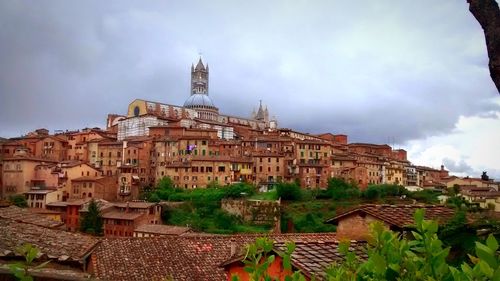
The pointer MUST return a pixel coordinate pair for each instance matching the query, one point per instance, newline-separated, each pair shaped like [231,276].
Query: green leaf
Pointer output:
[486,254]
[492,243]
[290,246]
[287,262]
[379,264]
[485,268]
[432,227]
[419,216]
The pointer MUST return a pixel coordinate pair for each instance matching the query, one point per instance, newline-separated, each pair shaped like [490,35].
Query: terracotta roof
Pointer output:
[312,258]
[53,244]
[28,158]
[400,215]
[485,194]
[121,215]
[16,214]
[187,257]
[88,178]
[134,205]
[41,211]
[161,229]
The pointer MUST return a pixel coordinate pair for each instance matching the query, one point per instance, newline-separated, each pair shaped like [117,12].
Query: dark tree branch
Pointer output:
[487,14]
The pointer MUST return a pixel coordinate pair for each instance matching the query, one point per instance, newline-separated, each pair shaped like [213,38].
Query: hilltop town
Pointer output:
[58,176]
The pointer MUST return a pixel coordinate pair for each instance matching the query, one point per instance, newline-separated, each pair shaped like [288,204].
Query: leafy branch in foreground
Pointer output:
[22,270]
[389,257]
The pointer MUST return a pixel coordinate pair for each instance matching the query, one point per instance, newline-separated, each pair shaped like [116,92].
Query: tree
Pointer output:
[338,189]
[487,14]
[288,191]
[165,183]
[18,200]
[92,222]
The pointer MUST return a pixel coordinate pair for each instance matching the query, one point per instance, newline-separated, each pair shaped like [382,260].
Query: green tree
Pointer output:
[288,191]
[165,183]
[92,221]
[18,200]
[338,189]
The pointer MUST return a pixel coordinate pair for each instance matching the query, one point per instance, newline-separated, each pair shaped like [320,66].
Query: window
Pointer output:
[222,169]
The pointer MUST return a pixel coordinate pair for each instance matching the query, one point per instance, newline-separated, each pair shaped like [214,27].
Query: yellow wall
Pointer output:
[142,107]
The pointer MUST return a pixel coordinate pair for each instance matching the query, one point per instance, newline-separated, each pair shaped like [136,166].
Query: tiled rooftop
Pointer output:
[312,258]
[162,229]
[17,214]
[52,243]
[121,215]
[401,215]
[188,257]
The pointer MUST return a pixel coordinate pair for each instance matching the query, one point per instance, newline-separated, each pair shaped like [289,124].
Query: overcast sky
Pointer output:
[412,73]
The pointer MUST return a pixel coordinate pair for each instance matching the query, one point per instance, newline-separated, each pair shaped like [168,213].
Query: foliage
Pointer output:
[18,200]
[258,259]
[338,189]
[208,219]
[426,196]
[165,183]
[459,236]
[383,190]
[312,223]
[21,270]
[288,191]
[391,257]
[271,195]
[92,221]
[309,216]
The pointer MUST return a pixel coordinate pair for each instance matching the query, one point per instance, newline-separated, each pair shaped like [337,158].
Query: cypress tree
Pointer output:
[92,222]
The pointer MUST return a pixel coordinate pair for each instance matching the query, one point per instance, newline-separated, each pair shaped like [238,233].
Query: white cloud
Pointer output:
[472,148]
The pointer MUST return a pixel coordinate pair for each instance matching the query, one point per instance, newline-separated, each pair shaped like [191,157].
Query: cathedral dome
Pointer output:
[199,101]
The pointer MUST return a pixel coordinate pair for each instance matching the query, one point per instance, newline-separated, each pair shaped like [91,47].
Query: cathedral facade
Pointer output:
[198,111]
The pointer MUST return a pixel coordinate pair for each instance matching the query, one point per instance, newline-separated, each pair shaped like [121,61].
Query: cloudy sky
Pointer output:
[409,73]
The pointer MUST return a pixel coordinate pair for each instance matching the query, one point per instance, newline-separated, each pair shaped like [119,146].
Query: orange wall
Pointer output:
[275,270]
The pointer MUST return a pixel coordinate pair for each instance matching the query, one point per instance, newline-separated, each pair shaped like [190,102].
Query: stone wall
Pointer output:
[256,211]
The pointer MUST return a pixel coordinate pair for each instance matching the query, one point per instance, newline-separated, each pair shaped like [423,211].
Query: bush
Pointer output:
[288,191]
[18,200]
[165,183]
[338,189]
[238,190]
[425,196]
[372,192]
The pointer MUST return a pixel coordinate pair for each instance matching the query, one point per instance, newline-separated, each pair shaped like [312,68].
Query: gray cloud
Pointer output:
[458,166]
[370,70]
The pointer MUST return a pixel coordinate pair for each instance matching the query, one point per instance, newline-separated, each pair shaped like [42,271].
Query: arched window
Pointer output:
[84,194]
[90,194]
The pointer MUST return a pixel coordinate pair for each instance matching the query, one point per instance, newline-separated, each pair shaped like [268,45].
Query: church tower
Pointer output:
[199,78]
[199,99]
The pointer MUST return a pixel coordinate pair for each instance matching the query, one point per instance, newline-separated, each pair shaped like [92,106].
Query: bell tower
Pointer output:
[199,78]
